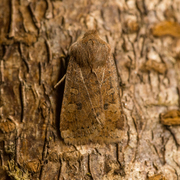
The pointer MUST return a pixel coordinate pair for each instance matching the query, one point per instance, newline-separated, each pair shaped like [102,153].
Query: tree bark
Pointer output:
[34,40]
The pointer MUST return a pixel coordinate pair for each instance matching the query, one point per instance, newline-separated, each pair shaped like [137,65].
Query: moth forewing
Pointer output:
[91,109]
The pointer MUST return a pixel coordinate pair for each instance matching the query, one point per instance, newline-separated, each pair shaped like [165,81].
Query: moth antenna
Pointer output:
[61,80]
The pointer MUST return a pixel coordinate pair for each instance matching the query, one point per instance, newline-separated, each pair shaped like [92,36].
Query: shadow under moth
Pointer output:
[91,108]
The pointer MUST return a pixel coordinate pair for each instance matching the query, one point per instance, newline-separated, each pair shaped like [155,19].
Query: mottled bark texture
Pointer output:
[35,36]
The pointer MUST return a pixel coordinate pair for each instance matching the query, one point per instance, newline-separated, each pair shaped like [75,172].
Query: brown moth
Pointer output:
[91,108]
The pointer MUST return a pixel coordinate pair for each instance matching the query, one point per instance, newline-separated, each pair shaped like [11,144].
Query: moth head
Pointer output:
[90,51]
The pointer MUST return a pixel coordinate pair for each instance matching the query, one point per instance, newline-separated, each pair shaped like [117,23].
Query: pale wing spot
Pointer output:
[111,91]
[74,91]
[71,108]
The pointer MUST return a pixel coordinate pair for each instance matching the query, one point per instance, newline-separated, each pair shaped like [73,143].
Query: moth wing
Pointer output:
[91,109]
[77,115]
[111,98]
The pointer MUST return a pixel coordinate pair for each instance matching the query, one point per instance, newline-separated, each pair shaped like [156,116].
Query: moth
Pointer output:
[91,108]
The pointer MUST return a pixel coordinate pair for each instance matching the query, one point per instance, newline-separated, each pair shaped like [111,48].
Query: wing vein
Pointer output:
[89,98]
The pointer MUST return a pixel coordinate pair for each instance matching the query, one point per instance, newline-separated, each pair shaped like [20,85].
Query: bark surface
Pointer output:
[35,36]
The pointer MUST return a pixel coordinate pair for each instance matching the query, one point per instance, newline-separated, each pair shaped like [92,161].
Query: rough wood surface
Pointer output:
[35,36]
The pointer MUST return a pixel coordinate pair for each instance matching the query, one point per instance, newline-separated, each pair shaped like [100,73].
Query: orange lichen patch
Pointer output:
[131,27]
[171,117]
[154,65]
[157,177]
[7,126]
[166,28]
[33,166]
